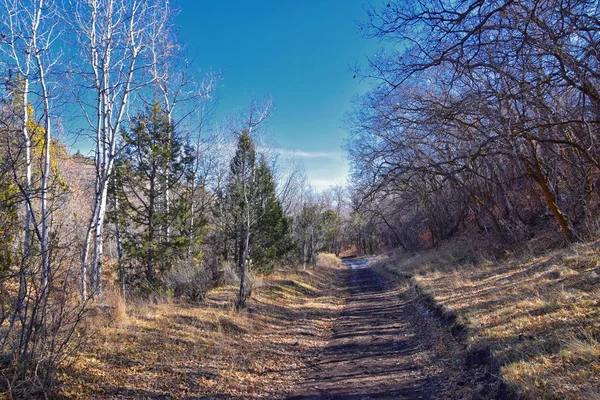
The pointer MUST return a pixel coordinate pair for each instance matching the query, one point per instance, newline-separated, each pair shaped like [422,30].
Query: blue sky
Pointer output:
[299,52]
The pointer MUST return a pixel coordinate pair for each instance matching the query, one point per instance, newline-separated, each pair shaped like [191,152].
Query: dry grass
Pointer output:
[116,305]
[180,350]
[539,314]
[328,260]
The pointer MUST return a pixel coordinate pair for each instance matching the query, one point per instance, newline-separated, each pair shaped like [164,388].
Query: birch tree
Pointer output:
[113,38]
[17,48]
[43,321]
[26,49]
[41,45]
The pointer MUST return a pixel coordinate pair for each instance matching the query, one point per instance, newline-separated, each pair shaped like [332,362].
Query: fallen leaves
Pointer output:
[181,350]
[538,314]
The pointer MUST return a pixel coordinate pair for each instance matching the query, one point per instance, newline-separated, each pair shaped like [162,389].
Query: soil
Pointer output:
[376,350]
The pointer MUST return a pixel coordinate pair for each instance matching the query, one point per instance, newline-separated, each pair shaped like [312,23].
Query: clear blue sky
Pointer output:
[298,51]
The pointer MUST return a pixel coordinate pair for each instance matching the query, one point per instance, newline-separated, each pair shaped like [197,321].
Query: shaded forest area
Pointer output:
[475,155]
[484,119]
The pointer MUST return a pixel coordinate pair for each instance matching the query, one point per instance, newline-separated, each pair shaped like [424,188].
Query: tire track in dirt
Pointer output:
[375,351]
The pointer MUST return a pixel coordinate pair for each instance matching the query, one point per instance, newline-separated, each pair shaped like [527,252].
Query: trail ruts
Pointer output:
[376,350]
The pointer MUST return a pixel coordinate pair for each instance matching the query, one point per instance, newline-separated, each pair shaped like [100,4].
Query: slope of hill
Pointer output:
[533,319]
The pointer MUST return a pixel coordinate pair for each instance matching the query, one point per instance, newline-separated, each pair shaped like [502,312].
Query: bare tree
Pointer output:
[21,24]
[44,320]
[113,38]
[483,101]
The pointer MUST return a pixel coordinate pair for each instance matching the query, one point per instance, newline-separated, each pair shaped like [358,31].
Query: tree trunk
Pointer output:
[396,235]
[28,173]
[27,238]
[538,176]
[45,177]
[151,205]
[87,244]
[305,252]
[120,252]
[313,250]
[241,303]
[560,218]
[96,269]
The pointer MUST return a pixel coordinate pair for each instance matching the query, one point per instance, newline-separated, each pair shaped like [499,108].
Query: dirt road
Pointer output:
[376,350]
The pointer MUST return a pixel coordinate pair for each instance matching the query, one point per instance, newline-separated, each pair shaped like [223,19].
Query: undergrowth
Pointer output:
[164,347]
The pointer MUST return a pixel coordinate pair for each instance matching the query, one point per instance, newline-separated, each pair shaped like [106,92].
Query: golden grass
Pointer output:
[184,350]
[328,260]
[117,305]
[540,315]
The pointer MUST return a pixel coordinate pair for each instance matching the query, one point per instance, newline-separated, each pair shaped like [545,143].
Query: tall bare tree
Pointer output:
[113,38]
[27,50]
[483,101]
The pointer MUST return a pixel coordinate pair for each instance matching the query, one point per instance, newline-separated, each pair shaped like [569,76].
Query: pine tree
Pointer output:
[272,239]
[240,197]
[154,160]
[259,226]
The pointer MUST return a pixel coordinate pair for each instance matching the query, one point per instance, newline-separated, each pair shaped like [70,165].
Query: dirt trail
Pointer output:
[376,350]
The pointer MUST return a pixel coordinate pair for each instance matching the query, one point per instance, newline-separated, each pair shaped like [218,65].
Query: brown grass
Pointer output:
[182,350]
[539,314]
[328,260]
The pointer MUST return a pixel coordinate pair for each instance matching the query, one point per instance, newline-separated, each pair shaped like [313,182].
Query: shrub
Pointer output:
[190,280]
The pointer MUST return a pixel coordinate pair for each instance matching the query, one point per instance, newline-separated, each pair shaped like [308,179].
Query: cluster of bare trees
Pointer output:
[39,317]
[321,222]
[484,115]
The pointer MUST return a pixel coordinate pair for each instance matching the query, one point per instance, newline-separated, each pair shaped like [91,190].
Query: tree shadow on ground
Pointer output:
[374,351]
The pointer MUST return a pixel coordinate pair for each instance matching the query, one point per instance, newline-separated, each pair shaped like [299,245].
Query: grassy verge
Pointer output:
[181,350]
[535,319]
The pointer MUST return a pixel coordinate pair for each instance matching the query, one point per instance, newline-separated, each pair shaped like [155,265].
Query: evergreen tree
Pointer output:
[259,226]
[240,198]
[272,240]
[154,160]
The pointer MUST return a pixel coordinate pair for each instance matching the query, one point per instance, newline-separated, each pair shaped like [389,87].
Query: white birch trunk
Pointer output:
[27,236]
[120,253]
[113,35]
[28,40]
[96,271]
[21,58]
[47,147]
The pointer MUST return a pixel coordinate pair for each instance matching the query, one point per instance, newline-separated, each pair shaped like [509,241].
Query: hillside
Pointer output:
[531,319]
